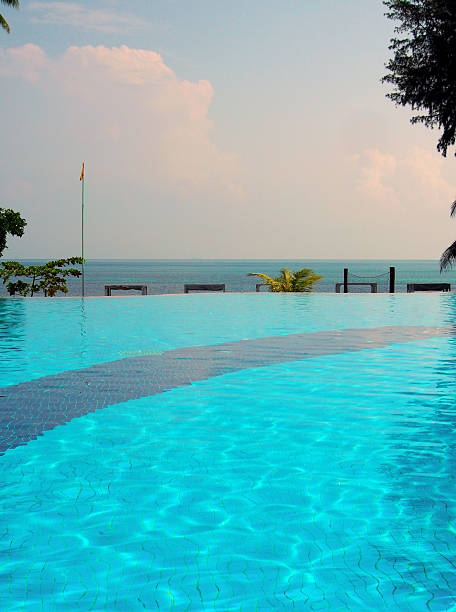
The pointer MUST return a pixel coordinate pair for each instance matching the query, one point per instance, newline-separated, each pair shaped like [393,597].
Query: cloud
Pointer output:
[144,133]
[413,180]
[26,62]
[376,169]
[73,14]
[128,103]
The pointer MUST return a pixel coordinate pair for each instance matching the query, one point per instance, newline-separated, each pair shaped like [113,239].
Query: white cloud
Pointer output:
[376,169]
[130,105]
[27,62]
[73,14]
[412,180]
[144,134]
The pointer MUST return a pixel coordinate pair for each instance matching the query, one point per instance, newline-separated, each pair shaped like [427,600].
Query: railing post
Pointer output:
[392,279]
[345,280]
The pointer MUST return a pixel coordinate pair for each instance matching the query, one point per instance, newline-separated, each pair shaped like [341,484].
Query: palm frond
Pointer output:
[285,280]
[305,279]
[270,282]
[290,282]
[266,278]
[453,209]
[448,257]
[4,24]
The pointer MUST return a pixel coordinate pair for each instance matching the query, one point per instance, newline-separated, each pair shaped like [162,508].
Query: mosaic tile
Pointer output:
[30,408]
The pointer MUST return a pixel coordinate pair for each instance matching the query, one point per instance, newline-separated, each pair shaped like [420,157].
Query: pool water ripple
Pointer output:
[29,408]
[322,483]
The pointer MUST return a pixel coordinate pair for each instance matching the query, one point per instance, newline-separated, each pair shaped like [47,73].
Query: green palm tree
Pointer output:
[449,255]
[288,281]
[3,22]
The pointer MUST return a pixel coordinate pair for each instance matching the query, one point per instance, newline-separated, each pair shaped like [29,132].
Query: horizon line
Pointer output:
[348,259]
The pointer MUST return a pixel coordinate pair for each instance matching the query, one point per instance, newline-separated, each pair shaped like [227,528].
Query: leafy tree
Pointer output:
[423,71]
[423,68]
[48,278]
[11,223]
[3,22]
[299,281]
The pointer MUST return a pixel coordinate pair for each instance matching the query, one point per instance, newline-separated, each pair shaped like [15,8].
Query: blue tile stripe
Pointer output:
[30,408]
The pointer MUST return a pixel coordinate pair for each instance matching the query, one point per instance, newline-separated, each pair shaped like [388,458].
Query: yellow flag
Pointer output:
[82,173]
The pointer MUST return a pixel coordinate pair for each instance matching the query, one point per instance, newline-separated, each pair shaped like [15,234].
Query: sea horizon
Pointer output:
[226,259]
[162,276]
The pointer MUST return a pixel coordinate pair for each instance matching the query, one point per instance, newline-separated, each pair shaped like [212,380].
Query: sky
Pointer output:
[248,129]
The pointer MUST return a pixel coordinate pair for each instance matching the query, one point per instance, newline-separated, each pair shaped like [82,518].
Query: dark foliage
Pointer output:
[11,223]
[3,22]
[423,68]
[448,257]
[48,278]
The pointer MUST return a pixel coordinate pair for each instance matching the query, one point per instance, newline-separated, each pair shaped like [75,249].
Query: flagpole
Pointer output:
[82,228]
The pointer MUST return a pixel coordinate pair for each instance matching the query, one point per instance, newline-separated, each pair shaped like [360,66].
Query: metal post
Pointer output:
[345,280]
[392,286]
[82,229]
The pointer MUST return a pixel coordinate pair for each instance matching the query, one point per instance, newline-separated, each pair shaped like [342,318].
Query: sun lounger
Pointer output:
[194,287]
[109,288]
[411,287]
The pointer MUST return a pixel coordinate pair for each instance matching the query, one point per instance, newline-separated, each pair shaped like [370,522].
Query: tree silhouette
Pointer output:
[11,223]
[423,67]
[3,22]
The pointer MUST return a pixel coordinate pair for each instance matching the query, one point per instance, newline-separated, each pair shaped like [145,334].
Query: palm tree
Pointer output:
[299,281]
[3,22]
[449,255]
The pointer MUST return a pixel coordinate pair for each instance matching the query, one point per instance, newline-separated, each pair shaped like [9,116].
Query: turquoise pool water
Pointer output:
[325,482]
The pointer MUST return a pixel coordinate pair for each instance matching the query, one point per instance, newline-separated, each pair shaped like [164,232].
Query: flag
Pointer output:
[81,178]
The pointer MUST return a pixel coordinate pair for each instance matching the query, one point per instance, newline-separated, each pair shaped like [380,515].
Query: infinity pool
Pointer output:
[228,452]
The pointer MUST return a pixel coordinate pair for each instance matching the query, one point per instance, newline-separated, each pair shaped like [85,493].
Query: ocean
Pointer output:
[170,275]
